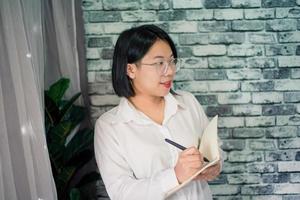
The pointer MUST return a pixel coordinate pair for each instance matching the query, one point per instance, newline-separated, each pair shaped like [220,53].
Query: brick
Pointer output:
[214,26]
[107,53]
[120,5]
[221,179]
[92,5]
[279,155]
[267,97]
[260,121]
[261,62]
[103,100]
[217,4]
[209,74]
[174,15]
[288,166]
[139,16]
[222,86]
[225,62]
[234,98]
[292,97]
[184,52]
[259,13]
[291,197]
[183,27]
[99,65]
[282,73]
[91,76]
[276,178]
[184,75]
[276,3]
[231,122]
[104,16]
[245,3]
[199,15]
[281,132]
[261,86]
[99,42]
[178,4]
[233,144]
[281,25]
[224,189]
[115,27]
[103,77]
[224,133]
[245,50]
[233,168]
[286,85]
[284,50]
[264,197]
[94,28]
[298,50]
[288,120]
[287,37]
[287,12]
[295,178]
[295,73]
[289,61]
[269,110]
[195,62]
[244,156]
[207,50]
[248,133]
[246,110]
[192,86]
[226,38]
[206,99]
[92,53]
[257,189]
[287,188]
[289,143]
[244,74]
[261,168]
[228,14]
[155,5]
[244,178]
[248,25]
[100,88]
[262,38]
[262,144]
[191,39]
[222,110]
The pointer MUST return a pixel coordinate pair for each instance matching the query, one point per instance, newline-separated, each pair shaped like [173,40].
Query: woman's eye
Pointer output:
[160,63]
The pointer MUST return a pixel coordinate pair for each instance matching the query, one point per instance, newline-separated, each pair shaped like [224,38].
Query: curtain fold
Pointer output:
[25,169]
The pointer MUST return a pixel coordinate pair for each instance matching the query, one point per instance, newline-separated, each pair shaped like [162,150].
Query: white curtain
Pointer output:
[25,171]
[38,44]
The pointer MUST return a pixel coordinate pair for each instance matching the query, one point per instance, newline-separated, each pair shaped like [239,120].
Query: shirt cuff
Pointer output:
[168,179]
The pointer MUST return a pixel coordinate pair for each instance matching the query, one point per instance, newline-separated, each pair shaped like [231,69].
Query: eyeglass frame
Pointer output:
[166,64]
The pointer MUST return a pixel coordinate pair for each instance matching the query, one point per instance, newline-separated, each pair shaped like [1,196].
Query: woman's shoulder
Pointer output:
[108,116]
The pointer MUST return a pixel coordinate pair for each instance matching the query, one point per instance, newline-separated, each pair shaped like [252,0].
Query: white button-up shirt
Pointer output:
[134,160]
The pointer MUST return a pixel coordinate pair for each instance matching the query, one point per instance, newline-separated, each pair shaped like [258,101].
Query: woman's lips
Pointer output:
[167,84]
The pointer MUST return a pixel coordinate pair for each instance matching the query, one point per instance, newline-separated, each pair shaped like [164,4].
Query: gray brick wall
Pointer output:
[241,61]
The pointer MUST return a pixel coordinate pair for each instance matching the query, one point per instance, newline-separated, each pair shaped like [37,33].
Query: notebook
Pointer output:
[208,147]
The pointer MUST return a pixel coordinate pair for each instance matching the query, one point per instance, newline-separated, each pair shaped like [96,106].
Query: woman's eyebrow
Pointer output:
[163,56]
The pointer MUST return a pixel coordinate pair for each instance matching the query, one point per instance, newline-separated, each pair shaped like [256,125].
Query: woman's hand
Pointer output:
[189,161]
[210,173]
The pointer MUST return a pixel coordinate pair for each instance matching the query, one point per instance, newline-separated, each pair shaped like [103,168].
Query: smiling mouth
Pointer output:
[167,84]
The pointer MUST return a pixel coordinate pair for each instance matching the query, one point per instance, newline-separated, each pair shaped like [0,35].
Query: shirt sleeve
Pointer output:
[118,177]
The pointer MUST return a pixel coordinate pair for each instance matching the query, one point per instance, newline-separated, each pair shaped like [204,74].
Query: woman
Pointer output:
[134,160]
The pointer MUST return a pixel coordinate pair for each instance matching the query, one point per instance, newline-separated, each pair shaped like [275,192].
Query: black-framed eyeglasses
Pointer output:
[162,66]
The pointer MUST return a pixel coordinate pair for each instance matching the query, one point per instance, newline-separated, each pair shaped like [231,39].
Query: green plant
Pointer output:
[70,147]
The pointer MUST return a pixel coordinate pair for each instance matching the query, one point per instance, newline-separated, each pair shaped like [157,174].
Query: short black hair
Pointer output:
[131,47]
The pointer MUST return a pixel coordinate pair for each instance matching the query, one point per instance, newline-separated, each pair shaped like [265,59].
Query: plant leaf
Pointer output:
[88,178]
[81,142]
[51,110]
[58,89]
[74,194]
[66,107]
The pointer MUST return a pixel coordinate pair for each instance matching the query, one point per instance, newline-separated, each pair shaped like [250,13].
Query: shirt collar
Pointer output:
[126,112]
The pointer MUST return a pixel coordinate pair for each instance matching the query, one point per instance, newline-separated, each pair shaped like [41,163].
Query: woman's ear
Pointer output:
[131,70]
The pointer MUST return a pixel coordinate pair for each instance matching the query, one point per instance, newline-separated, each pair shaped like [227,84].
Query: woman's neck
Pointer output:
[153,107]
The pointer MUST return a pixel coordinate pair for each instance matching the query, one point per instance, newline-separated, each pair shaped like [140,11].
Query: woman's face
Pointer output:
[147,78]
